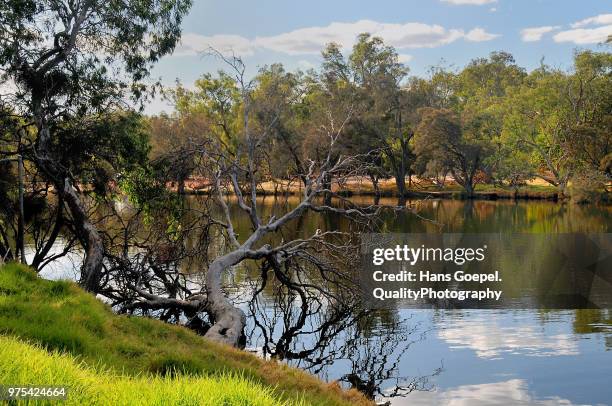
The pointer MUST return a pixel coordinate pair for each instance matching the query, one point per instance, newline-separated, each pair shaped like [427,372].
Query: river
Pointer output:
[462,357]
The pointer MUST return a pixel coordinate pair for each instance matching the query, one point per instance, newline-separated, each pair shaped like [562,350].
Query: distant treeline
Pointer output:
[490,122]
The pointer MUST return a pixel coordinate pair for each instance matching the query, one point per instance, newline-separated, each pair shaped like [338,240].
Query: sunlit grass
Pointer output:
[25,364]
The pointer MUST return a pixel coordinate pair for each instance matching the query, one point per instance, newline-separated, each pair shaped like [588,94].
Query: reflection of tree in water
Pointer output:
[588,321]
[375,354]
[315,321]
[500,215]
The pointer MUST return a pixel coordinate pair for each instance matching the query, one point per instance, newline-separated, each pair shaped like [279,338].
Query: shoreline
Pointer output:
[534,190]
[551,195]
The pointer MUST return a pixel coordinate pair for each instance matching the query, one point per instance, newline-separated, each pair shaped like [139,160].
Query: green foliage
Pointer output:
[462,149]
[59,316]
[278,109]
[134,34]
[218,100]
[559,123]
[148,193]
[103,148]
[485,79]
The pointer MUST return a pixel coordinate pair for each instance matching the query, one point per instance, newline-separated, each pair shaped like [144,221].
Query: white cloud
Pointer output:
[590,30]
[536,33]
[602,19]
[583,36]
[311,40]
[404,58]
[479,35]
[470,2]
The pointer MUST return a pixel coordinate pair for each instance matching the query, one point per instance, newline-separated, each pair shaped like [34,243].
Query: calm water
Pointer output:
[464,357]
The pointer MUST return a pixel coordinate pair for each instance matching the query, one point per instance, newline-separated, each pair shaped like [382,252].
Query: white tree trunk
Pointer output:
[229,321]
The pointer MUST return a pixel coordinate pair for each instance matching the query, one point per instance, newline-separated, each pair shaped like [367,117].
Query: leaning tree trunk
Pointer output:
[91,271]
[228,320]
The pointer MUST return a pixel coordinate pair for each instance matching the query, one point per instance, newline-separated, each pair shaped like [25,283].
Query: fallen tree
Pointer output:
[236,168]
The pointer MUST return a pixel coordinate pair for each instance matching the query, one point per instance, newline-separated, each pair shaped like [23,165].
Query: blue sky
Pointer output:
[423,31]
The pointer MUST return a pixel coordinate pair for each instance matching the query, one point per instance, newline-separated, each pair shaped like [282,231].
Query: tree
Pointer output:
[71,63]
[563,119]
[234,169]
[536,121]
[281,102]
[441,136]
[481,89]
[380,129]
[173,140]
[589,94]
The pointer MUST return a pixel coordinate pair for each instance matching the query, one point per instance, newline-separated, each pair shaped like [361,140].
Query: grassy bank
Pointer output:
[30,364]
[135,352]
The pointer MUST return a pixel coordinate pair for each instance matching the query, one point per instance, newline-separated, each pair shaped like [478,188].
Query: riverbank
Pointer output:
[418,188]
[103,351]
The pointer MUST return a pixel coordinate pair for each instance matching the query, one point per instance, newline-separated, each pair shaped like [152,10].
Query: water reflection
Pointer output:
[495,334]
[510,392]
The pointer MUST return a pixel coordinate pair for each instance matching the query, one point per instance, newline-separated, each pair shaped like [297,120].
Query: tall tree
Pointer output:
[562,119]
[380,129]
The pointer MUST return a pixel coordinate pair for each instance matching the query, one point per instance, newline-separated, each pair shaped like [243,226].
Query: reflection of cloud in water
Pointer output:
[491,337]
[511,392]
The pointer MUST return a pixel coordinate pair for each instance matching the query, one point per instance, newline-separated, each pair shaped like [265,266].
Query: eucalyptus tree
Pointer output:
[561,120]
[283,101]
[481,89]
[534,123]
[70,63]
[442,136]
[381,129]
[589,93]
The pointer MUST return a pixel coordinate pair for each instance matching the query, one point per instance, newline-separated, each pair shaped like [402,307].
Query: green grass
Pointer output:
[59,316]
[28,364]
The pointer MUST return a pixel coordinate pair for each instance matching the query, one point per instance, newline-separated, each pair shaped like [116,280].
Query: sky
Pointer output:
[424,32]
